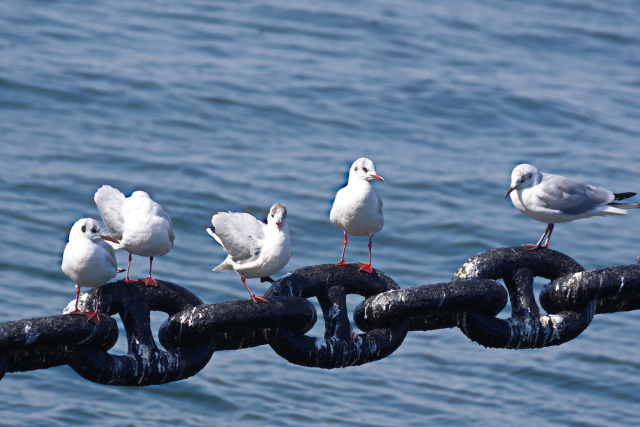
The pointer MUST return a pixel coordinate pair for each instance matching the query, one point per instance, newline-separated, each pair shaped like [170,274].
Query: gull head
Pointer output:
[277,215]
[85,228]
[88,228]
[363,169]
[523,176]
[140,194]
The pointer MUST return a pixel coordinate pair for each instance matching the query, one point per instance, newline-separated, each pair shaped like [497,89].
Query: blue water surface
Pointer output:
[229,105]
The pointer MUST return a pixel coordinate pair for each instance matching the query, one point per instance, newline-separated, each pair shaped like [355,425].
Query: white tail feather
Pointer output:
[625,205]
[223,267]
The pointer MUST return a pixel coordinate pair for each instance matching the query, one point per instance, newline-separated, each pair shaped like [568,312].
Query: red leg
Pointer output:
[150,281]
[539,245]
[76,310]
[253,296]
[126,278]
[367,267]
[344,248]
[92,316]
[550,229]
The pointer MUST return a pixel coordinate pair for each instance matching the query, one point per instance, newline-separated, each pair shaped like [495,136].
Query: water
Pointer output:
[237,105]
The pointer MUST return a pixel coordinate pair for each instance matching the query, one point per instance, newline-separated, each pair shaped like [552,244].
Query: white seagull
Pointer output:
[553,198]
[88,260]
[255,249]
[139,224]
[357,209]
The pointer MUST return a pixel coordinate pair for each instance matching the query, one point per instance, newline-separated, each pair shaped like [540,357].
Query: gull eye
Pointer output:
[93,230]
[84,228]
[355,169]
[365,169]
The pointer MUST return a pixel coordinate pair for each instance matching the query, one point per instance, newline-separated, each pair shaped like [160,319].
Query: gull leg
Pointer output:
[92,316]
[126,278]
[344,248]
[550,229]
[76,310]
[150,281]
[253,296]
[547,233]
[367,267]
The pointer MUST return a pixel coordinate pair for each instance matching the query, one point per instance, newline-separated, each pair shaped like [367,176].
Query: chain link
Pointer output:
[194,330]
[526,328]
[340,346]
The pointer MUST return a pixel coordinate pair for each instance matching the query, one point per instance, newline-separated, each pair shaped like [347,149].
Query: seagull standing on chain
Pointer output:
[255,249]
[553,198]
[357,208]
[139,224]
[88,260]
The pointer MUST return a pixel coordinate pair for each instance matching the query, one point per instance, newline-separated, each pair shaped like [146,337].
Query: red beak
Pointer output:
[378,177]
[509,192]
[109,238]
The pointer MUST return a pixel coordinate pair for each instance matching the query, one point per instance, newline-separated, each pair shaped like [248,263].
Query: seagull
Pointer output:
[553,198]
[255,249]
[139,224]
[88,260]
[357,208]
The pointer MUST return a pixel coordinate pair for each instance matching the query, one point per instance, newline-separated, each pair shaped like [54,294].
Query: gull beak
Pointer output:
[278,224]
[509,192]
[108,238]
[378,177]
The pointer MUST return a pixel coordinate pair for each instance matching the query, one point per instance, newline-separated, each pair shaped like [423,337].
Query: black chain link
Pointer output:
[526,328]
[340,346]
[194,331]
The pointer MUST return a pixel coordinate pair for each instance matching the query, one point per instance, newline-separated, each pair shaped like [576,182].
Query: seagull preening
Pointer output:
[139,224]
[255,249]
[357,208]
[553,198]
[88,260]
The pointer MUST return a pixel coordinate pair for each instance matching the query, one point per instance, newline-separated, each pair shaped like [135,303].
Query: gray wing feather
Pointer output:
[572,197]
[240,234]
[109,202]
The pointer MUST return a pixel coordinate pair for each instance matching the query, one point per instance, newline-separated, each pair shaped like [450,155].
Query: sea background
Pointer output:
[224,105]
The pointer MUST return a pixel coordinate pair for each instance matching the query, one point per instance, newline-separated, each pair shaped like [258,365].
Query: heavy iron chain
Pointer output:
[194,330]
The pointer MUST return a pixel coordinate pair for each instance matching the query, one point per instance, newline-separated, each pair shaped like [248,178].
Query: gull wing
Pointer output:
[109,253]
[163,214]
[571,197]
[109,201]
[240,234]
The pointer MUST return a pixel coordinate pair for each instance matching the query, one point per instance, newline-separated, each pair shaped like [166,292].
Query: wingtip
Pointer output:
[622,196]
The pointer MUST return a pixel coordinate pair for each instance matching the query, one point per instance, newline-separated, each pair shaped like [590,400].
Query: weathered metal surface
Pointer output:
[193,330]
[45,342]
[431,307]
[615,288]
[340,346]
[145,363]
[237,324]
[526,328]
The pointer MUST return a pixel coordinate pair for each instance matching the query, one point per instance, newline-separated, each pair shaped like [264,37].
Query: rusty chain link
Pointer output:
[194,330]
